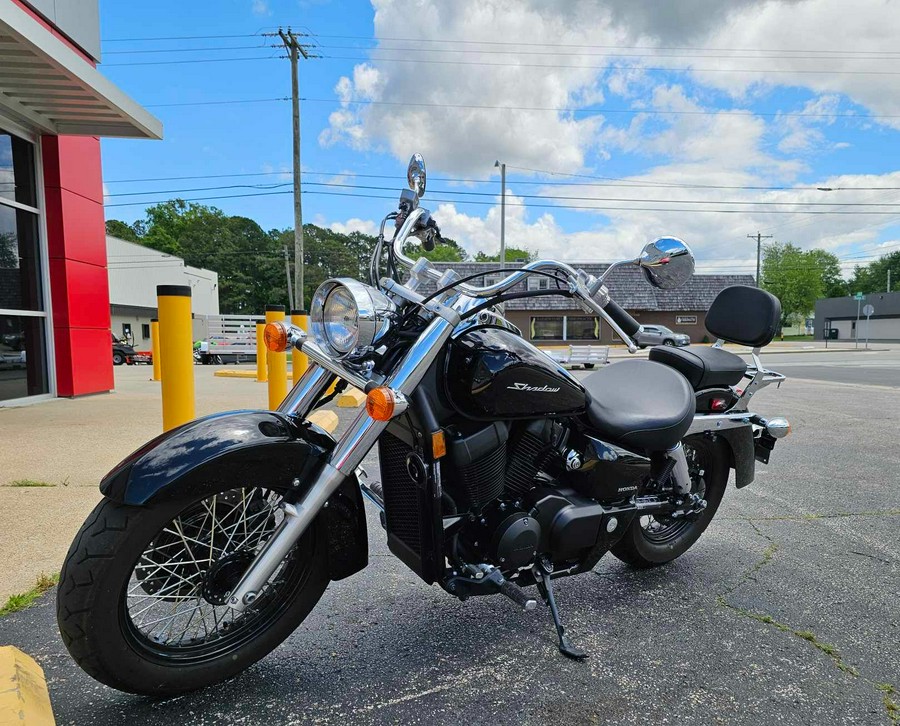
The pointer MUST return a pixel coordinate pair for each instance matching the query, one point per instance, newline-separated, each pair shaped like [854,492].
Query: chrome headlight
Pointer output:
[347,317]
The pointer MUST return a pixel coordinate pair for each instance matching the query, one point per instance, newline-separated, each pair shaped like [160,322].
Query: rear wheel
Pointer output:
[656,540]
[142,603]
[118,359]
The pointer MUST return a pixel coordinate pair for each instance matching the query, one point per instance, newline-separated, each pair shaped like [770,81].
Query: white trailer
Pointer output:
[225,338]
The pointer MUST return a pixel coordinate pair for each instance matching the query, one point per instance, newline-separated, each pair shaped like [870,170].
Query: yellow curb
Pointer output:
[235,374]
[327,420]
[24,698]
[351,398]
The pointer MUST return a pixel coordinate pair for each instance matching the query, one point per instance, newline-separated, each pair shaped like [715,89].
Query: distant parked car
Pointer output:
[659,335]
[122,352]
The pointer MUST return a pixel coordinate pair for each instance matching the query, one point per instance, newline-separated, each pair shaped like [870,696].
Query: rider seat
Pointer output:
[703,367]
[641,405]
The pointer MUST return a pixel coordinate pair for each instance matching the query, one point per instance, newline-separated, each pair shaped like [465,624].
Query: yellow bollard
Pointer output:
[262,372]
[277,362]
[176,354]
[299,361]
[154,344]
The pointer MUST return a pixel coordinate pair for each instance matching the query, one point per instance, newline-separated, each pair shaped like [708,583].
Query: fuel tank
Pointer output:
[491,373]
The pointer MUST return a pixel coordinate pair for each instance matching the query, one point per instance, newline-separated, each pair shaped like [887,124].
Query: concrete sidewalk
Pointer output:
[70,444]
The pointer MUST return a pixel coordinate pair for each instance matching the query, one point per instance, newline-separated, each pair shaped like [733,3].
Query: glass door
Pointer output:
[23,317]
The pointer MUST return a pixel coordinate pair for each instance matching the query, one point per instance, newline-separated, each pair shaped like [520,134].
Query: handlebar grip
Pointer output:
[624,320]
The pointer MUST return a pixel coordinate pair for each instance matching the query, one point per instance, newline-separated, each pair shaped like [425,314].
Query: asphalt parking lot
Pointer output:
[786,611]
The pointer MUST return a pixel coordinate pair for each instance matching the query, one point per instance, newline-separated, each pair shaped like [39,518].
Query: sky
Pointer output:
[619,121]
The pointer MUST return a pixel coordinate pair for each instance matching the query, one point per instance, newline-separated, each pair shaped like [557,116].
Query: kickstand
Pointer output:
[545,587]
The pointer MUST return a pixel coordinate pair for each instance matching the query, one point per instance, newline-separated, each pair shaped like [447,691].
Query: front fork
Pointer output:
[347,454]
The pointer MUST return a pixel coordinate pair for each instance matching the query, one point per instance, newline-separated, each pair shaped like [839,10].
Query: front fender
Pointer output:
[244,448]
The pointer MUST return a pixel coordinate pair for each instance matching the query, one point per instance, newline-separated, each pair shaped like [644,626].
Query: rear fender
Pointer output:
[743,455]
[241,448]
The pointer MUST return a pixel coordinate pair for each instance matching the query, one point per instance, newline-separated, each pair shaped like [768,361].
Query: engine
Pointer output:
[530,487]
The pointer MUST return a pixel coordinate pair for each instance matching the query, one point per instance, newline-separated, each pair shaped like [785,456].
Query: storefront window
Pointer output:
[20,269]
[23,320]
[582,327]
[547,328]
[16,170]
[23,358]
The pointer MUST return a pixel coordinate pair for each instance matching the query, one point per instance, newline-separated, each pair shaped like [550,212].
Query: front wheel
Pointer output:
[142,599]
[652,541]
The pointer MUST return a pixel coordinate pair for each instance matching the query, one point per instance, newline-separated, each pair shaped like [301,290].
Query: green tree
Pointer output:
[833,282]
[512,255]
[9,251]
[447,251]
[873,277]
[794,277]
[122,230]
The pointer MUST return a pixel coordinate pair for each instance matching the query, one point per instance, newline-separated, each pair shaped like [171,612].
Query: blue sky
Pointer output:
[619,122]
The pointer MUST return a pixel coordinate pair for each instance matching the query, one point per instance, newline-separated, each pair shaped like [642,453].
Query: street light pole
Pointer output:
[502,168]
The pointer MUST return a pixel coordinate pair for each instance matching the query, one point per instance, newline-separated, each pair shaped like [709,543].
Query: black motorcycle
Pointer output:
[499,470]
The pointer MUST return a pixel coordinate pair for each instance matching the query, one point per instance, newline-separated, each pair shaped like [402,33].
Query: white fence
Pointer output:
[233,336]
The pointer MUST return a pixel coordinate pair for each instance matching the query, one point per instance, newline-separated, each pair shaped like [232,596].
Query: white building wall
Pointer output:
[135,271]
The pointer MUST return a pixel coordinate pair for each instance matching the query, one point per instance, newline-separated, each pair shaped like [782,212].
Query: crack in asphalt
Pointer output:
[813,516]
[887,690]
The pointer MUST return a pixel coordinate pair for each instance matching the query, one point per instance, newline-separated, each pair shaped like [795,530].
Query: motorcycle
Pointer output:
[498,469]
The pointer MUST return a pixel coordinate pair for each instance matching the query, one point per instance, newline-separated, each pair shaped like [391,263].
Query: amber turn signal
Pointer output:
[438,444]
[380,403]
[276,337]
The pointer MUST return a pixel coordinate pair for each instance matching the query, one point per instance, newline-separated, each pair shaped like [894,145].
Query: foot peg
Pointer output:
[517,595]
[545,586]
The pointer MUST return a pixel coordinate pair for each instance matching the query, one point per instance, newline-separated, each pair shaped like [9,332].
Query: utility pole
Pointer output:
[889,280]
[502,168]
[759,238]
[287,271]
[295,50]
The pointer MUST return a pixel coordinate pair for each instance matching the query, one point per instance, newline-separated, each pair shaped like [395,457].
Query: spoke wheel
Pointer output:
[142,603]
[176,604]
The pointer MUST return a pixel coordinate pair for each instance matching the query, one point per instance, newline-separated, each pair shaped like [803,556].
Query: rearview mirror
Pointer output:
[667,263]
[415,174]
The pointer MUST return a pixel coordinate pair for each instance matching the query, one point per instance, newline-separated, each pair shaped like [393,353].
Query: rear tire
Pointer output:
[102,595]
[642,548]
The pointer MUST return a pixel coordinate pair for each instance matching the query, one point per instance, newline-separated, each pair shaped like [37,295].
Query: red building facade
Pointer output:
[54,290]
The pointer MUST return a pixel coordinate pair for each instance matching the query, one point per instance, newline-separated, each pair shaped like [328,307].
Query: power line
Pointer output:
[615,67]
[576,45]
[619,181]
[485,64]
[177,37]
[839,55]
[522,196]
[515,204]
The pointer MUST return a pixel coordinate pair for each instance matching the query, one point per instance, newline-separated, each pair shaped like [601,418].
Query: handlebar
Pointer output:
[621,316]
[586,289]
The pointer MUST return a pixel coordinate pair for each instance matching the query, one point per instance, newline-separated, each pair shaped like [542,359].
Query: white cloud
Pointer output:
[366,226]
[261,7]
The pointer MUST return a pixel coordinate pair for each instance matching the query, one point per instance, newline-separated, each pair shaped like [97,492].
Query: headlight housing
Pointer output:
[347,317]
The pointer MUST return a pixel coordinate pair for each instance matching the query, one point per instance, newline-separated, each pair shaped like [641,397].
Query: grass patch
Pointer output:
[30,483]
[890,705]
[25,599]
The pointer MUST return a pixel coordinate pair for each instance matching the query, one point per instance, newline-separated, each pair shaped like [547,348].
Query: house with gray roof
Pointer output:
[553,319]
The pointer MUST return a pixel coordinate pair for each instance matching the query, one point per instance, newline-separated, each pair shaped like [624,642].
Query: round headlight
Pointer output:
[348,317]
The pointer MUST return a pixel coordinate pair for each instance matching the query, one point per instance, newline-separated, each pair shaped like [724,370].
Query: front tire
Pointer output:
[141,604]
[651,542]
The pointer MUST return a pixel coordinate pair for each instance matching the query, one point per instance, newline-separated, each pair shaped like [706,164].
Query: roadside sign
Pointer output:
[858,296]
[869,310]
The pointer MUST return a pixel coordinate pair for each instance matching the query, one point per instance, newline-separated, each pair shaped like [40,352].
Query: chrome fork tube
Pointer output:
[307,391]
[349,452]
